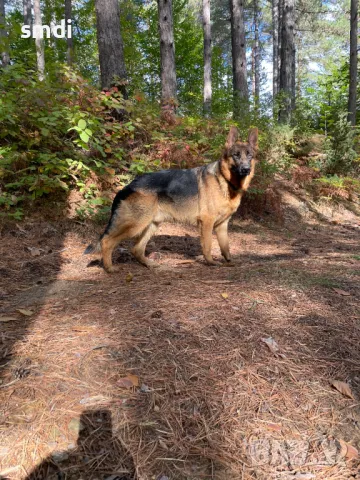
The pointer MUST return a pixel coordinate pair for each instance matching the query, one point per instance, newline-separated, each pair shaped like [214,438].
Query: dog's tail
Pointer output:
[90,249]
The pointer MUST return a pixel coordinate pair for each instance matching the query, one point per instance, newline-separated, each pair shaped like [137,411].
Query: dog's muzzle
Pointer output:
[244,171]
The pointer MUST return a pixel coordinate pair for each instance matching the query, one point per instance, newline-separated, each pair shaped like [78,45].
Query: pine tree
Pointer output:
[207,57]
[167,57]
[287,60]
[110,44]
[39,41]
[275,37]
[353,61]
[4,54]
[256,53]
[238,47]
[27,13]
[69,40]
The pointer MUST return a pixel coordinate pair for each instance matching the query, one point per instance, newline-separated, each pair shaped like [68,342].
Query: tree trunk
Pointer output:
[276,57]
[256,53]
[207,57]
[353,61]
[27,13]
[69,41]
[253,70]
[241,96]
[4,53]
[110,44]
[287,61]
[293,78]
[39,42]
[167,58]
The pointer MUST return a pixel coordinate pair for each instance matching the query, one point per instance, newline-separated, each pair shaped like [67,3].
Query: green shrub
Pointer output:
[55,134]
[339,147]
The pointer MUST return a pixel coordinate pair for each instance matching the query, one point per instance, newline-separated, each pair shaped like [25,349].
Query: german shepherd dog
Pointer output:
[206,196]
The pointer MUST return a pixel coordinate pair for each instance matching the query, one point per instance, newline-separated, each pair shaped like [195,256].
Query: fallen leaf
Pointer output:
[348,450]
[27,313]
[270,342]
[75,425]
[343,388]
[163,445]
[34,252]
[7,319]
[134,379]
[225,295]
[144,388]
[352,452]
[129,381]
[303,476]
[274,426]
[342,292]
[125,382]
[97,399]
[59,456]
[129,277]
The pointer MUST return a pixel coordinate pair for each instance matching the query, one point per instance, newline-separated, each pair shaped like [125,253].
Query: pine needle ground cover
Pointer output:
[185,372]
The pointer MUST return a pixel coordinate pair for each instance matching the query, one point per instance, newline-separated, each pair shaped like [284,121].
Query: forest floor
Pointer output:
[186,371]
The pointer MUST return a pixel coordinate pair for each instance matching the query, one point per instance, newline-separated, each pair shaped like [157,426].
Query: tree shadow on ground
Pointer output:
[208,384]
[31,258]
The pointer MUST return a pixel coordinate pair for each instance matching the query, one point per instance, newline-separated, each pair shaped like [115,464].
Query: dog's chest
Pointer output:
[227,208]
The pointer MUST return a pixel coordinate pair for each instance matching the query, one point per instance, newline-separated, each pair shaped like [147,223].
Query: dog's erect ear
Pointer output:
[253,138]
[232,137]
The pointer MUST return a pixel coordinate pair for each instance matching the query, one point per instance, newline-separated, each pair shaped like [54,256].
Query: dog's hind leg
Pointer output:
[223,239]
[108,243]
[138,249]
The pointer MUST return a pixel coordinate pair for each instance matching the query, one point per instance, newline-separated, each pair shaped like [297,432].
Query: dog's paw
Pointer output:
[112,269]
[152,264]
[213,263]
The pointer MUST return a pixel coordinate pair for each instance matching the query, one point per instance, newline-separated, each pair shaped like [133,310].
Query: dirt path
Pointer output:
[164,374]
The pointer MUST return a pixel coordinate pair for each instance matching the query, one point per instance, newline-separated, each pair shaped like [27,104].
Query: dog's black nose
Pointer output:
[244,171]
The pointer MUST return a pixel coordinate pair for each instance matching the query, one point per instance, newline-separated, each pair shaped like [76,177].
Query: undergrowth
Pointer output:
[66,136]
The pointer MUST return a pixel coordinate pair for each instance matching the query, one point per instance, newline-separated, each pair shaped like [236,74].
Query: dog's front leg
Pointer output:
[223,239]
[206,228]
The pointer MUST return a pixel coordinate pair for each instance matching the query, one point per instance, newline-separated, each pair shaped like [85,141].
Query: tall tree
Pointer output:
[69,40]
[275,37]
[353,61]
[27,13]
[256,53]
[39,41]
[287,60]
[207,57]
[4,53]
[238,47]
[167,56]
[110,44]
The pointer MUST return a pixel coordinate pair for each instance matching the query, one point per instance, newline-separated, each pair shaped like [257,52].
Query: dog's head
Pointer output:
[239,155]
[238,160]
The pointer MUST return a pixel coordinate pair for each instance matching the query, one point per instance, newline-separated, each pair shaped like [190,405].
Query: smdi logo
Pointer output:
[39,31]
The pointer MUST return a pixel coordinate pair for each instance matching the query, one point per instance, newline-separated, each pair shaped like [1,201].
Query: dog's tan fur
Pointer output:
[220,190]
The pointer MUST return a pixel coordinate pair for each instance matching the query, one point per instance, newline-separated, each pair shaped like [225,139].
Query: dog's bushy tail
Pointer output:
[93,248]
